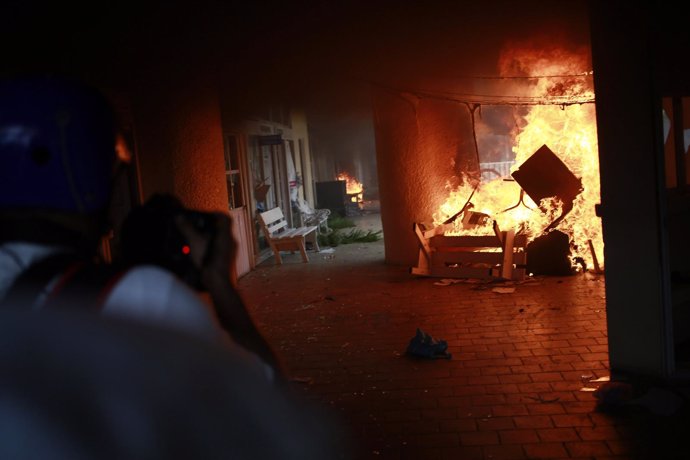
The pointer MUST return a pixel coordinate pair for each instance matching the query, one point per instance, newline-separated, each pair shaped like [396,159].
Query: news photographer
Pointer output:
[103,361]
[57,177]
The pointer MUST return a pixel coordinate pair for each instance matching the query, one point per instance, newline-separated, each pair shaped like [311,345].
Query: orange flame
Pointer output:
[569,130]
[353,187]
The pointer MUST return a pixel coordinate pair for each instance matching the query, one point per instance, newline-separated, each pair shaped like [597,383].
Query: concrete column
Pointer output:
[630,192]
[420,144]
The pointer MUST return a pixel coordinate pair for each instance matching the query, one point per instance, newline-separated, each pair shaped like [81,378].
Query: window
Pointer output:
[233,177]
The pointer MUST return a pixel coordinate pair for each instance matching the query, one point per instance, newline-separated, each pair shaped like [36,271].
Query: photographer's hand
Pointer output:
[214,255]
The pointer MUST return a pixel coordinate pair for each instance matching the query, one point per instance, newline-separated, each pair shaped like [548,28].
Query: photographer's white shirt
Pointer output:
[145,293]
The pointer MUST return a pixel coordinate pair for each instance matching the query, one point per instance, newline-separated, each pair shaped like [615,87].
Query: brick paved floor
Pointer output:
[512,389]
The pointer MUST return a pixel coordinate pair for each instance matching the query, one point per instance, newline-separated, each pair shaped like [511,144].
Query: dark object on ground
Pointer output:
[422,345]
[550,255]
[614,393]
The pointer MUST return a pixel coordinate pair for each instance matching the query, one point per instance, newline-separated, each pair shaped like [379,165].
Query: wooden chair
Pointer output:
[499,256]
[281,237]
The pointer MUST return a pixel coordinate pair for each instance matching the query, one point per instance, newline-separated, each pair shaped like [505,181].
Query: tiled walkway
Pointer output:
[513,388]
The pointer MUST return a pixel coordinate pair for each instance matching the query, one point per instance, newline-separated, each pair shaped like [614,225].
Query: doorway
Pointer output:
[237,203]
[269,186]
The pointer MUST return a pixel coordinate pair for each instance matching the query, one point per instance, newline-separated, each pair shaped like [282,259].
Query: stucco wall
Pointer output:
[179,141]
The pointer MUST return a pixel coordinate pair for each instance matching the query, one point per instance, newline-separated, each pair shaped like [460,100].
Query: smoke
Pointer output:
[495,129]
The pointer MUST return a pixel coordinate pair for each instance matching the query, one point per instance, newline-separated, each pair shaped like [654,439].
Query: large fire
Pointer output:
[353,187]
[568,129]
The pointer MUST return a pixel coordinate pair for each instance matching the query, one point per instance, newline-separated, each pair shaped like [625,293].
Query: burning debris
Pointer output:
[544,175]
[545,179]
[354,190]
[501,255]
[549,254]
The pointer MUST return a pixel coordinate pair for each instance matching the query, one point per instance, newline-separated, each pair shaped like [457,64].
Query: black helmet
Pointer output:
[57,145]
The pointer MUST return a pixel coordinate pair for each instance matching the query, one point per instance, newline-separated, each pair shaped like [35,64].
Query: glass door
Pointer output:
[676,137]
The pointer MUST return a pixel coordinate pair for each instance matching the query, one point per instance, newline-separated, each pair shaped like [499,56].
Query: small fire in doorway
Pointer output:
[354,188]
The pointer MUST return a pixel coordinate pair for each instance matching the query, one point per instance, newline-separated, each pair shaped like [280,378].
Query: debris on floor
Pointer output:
[447,281]
[541,399]
[423,345]
[589,383]
[614,393]
[500,286]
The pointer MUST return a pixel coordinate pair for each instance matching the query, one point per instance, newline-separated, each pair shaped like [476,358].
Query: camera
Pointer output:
[150,235]
[179,250]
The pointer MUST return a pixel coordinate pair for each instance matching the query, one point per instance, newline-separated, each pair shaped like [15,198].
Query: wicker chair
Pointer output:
[311,216]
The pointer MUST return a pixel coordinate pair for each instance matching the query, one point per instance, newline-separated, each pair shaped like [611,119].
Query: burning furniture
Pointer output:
[502,254]
[544,175]
[343,196]
[355,194]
